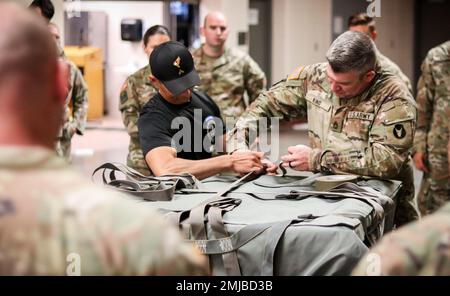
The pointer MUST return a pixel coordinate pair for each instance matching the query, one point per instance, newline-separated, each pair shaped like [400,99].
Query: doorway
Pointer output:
[260,33]
[182,18]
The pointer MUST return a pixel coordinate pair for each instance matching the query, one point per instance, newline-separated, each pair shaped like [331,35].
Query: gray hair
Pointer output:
[352,51]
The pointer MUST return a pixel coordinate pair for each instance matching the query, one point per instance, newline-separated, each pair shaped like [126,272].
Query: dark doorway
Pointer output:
[183,21]
[260,31]
[432,28]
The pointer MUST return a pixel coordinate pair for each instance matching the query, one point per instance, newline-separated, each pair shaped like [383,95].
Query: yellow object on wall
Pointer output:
[90,62]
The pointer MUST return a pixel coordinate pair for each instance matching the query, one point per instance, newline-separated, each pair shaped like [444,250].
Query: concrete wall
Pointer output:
[123,57]
[301,34]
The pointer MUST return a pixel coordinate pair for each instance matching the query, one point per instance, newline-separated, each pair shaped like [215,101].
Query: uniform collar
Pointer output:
[219,61]
[21,157]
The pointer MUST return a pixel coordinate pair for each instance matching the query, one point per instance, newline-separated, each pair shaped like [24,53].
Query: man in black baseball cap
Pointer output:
[173,124]
[173,66]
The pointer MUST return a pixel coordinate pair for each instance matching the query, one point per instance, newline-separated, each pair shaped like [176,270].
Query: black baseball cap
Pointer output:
[172,64]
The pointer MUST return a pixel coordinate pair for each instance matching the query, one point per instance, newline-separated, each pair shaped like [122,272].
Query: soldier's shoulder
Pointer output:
[439,53]
[429,230]
[234,53]
[197,54]
[391,87]
[387,64]
[141,74]
[395,102]
[139,77]
[101,204]
[315,71]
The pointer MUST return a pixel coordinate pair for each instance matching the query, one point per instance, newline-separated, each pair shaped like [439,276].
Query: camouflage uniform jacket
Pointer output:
[388,65]
[75,108]
[421,248]
[53,221]
[136,92]
[369,135]
[76,104]
[226,78]
[433,95]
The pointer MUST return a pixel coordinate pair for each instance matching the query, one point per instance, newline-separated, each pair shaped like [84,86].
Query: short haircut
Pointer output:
[157,29]
[46,6]
[362,19]
[352,51]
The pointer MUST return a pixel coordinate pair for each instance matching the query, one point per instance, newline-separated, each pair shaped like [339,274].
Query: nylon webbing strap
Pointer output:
[197,215]
[276,232]
[243,236]
[147,187]
[230,260]
[231,243]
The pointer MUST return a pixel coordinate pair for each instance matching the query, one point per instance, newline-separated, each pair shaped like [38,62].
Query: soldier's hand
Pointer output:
[298,158]
[419,161]
[243,162]
[271,168]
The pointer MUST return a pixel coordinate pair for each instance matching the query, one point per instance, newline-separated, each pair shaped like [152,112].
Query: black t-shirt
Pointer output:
[183,127]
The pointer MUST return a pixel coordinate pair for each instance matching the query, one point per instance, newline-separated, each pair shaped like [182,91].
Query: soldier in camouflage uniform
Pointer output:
[52,220]
[421,248]
[432,136]
[136,92]
[226,73]
[363,23]
[76,104]
[361,119]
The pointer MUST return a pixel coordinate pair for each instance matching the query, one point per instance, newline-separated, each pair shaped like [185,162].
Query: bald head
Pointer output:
[31,85]
[215,16]
[215,31]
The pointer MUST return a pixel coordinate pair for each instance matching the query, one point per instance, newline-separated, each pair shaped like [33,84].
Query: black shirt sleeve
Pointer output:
[153,131]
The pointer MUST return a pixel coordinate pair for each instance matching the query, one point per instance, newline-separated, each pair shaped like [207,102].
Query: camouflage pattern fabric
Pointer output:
[75,109]
[447,112]
[54,222]
[370,134]
[432,136]
[421,248]
[227,78]
[388,65]
[136,92]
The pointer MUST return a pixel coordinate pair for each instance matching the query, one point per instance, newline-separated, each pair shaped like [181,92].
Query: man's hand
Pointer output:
[243,162]
[270,167]
[419,161]
[298,158]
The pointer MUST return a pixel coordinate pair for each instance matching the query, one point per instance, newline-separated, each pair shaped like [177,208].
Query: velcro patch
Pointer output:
[360,115]
[296,74]
[399,131]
